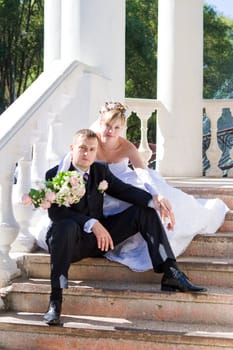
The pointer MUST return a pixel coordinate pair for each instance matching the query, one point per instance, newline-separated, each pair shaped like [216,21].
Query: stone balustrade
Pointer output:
[35,133]
[214,110]
[144,109]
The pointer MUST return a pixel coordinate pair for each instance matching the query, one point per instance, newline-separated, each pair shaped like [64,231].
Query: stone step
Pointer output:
[208,193]
[125,300]
[213,245]
[206,187]
[227,225]
[27,331]
[207,271]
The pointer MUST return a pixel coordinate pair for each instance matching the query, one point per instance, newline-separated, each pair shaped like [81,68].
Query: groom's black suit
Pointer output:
[67,240]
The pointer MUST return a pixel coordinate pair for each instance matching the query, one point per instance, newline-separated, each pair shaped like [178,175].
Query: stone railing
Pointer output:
[32,139]
[219,115]
[217,133]
[144,109]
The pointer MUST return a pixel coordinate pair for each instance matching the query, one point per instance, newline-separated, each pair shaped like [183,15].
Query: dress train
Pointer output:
[193,216]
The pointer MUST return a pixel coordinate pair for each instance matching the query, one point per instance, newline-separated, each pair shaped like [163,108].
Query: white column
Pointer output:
[52,31]
[93,32]
[180,51]
[70,30]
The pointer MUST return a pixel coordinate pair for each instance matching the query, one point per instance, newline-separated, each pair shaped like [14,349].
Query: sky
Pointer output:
[224,7]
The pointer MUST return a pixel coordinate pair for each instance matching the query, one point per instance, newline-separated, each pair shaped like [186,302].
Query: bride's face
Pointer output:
[110,130]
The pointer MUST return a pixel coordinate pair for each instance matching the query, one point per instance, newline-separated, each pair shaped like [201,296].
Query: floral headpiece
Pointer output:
[111,106]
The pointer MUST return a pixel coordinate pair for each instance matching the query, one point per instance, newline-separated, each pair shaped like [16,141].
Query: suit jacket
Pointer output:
[91,204]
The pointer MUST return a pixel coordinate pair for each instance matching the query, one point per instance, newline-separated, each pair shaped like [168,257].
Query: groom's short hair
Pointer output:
[88,133]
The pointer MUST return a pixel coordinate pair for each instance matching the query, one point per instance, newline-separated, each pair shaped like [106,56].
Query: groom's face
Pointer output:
[83,151]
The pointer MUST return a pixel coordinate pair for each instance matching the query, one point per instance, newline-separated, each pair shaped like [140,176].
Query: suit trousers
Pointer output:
[68,243]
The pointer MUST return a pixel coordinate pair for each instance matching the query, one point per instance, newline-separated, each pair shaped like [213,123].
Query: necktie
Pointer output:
[85,177]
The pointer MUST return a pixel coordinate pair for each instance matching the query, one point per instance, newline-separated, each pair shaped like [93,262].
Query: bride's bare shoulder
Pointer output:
[128,148]
[131,151]
[128,144]
[125,142]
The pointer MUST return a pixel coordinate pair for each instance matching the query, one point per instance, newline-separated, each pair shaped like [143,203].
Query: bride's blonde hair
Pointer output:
[113,110]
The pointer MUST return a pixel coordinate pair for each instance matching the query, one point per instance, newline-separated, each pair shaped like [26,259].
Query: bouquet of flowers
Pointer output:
[67,188]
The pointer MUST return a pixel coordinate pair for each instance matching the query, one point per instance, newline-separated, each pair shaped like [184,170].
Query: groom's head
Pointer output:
[83,148]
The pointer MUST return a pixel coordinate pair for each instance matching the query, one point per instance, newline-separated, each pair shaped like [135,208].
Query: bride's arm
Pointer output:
[139,167]
[160,203]
[133,155]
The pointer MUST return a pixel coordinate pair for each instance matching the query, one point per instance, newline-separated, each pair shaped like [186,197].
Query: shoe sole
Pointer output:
[184,290]
[55,322]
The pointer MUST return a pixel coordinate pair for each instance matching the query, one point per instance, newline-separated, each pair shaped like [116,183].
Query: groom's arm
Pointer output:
[137,196]
[125,192]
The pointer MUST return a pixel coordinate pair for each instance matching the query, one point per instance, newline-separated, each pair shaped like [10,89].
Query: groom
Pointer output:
[81,230]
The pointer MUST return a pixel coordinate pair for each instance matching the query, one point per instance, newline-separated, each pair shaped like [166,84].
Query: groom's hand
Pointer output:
[165,209]
[104,240]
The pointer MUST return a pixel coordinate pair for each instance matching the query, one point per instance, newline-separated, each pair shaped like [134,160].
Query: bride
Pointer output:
[192,216]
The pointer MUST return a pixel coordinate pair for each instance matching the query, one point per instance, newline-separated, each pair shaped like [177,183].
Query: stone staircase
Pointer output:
[110,307]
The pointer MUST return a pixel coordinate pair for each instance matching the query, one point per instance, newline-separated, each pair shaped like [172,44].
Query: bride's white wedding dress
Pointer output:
[192,216]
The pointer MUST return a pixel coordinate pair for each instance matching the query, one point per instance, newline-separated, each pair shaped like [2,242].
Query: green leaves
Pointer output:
[218,53]
[37,196]
[141,48]
[21,47]
[141,51]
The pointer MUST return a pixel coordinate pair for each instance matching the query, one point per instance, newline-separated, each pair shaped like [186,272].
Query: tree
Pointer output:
[141,48]
[218,54]
[141,57]
[141,60]
[21,47]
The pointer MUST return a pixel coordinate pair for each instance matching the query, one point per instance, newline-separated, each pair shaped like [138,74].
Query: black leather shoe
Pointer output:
[52,316]
[178,281]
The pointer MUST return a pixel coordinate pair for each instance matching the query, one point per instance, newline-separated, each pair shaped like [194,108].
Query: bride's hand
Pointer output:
[165,209]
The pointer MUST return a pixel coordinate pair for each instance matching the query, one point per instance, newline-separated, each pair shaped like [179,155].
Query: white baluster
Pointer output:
[39,162]
[39,140]
[55,147]
[25,241]
[143,108]
[230,172]
[8,225]
[213,112]
[144,148]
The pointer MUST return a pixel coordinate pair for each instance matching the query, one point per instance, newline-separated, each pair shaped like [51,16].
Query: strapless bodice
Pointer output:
[118,168]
